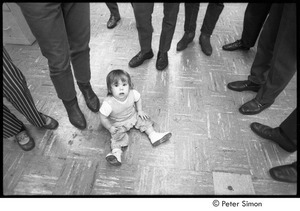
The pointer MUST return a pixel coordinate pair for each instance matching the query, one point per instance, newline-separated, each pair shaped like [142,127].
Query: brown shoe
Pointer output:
[25,141]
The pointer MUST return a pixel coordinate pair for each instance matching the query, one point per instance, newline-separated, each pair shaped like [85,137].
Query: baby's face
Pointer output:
[120,90]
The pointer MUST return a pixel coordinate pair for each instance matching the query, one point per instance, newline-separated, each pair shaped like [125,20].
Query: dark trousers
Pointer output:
[289,127]
[275,62]
[63,34]
[254,18]
[211,17]
[15,90]
[143,17]
[113,8]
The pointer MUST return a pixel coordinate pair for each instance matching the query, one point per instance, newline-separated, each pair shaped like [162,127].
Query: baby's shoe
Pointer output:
[114,157]
[158,138]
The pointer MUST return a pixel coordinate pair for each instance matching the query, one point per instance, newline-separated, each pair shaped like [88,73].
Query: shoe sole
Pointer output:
[113,160]
[163,139]
[242,49]
[241,90]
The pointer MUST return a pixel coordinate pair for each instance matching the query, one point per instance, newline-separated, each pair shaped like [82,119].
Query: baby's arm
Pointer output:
[106,123]
[140,111]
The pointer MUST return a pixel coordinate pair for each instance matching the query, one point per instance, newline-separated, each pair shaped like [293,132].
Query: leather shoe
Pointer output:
[185,40]
[162,61]
[112,22]
[285,173]
[25,141]
[253,107]
[238,44]
[138,59]
[243,86]
[76,117]
[273,134]
[90,97]
[204,41]
[50,123]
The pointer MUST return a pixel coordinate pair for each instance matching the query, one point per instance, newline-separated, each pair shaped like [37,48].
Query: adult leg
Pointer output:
[13,127]
[143,17]
[190,24]
[211,17]
[280,59]
[168,26]
[266,43]
[167,32]
[289,127]
[113,8]
[284,61]
[15,90]
[47,23]
[191,11]
[254,18]
[114,14]
[79,38]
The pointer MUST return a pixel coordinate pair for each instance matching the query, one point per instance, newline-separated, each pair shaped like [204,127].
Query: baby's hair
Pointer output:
[114,76]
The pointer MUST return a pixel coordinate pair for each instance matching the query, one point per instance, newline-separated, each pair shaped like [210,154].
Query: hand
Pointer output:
[113,129]
[143,115]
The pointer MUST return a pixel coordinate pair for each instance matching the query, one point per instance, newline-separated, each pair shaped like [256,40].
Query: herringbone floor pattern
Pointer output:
[212,150]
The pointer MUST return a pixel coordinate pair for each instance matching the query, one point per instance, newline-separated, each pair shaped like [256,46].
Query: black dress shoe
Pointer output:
[76,117]
[204,41]
[185,40]
[238,44]
[25,141]
[138,59]
[285,173]
[90,97]
[162,61]
[243,86]
[253,107]
[112,22]
[50,123]
[273,134]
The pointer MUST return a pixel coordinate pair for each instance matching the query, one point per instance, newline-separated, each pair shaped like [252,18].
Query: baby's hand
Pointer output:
[113,129]
[143,115]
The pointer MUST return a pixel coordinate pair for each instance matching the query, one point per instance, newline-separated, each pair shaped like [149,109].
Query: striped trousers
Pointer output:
[15,90]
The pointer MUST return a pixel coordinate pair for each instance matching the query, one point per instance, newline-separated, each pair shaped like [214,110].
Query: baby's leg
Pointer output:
[155,137]
[118,141]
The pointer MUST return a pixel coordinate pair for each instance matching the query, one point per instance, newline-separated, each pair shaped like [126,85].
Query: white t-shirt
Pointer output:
[120,111]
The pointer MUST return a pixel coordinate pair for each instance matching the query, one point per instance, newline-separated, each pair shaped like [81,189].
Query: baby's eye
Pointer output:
[116,85]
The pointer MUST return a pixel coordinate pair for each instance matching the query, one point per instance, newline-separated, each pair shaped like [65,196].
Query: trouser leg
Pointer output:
[15,90]
[190,17]
[289,127]
[113,8]
[143,17]
[168,26]
[47,23]
[283,64]
[78,38]
[11,124]
[262,61]
[211,17]
[254,18]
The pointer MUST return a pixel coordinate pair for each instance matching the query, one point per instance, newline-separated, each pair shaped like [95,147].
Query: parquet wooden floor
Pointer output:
[212,151]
